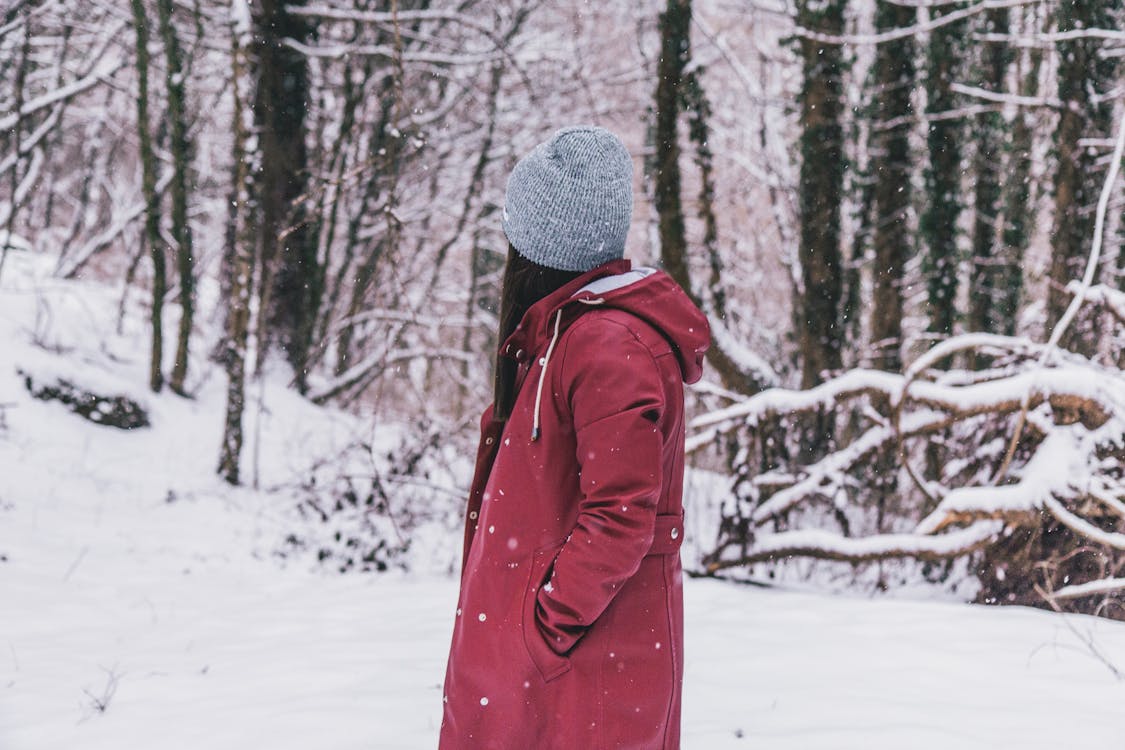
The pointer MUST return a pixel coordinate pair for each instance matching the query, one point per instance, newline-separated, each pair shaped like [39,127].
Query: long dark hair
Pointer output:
[525,283]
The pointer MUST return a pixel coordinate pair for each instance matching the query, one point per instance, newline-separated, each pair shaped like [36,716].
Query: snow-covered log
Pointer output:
[824,545]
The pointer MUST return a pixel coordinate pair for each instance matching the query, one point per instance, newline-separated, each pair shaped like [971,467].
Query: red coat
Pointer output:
[569,626]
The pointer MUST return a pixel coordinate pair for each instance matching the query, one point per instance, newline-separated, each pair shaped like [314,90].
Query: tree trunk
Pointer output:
[238,256]
[1018,219]
[989,134]
[1082,74]
[17,134]
[821,190]
[891,167]
[938,222]
[181,156]
[675,35]
[152,201]
[291,278]
[379,152]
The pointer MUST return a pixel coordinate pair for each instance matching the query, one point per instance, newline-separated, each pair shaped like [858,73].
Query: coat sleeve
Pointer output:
[616,397]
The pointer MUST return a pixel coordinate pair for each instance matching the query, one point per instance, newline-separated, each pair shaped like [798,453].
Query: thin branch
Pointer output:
[1090,588]
[1081,526]
[907,31]
[1000,98]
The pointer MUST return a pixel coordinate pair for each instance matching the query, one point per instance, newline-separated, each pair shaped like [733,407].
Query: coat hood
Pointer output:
[648,293]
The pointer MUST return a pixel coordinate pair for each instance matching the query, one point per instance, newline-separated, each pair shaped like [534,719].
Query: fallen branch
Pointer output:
[824,545]
[1091,588]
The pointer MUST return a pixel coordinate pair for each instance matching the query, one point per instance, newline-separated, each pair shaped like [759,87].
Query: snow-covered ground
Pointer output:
[141,607]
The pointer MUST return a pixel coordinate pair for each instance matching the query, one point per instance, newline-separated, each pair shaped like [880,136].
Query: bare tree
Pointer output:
[152,200]
[238,256]
[821,192]
[174,75]
[675,45]
[891,167]
[1083,74]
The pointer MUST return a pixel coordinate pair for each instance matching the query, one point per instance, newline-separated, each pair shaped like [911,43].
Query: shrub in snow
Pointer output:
[112,411]
[1017,468]
[367,511]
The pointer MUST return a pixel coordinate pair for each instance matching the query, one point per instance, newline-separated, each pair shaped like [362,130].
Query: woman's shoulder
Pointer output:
[615,335]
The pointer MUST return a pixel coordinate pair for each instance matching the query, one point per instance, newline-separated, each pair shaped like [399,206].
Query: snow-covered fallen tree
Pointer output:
[922,465]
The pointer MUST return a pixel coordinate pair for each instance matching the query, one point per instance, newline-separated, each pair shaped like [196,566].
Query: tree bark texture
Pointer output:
[291,278]
[152,201]
[238,258]
[891,168]
[938,222]
[675,53]
[181,158]
[821,190]
[986,276]
[1082,75]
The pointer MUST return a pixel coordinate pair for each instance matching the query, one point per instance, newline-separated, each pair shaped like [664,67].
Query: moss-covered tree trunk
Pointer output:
[943,203]
[990,133]
[181,164]
[891,169]
[152,201]
[820,191]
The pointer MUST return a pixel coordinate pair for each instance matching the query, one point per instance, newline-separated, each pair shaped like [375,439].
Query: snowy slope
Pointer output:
[132,579]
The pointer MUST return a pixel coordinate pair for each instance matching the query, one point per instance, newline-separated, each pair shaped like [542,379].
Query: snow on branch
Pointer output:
[1101,495]
[1090,588]
[1069,386]
[68,267]
[1063,456]
[1049,37]
[908,31]
[747,361]
[1083,527]
[824,545]
[388,52]
[783,400]
[823,478]
[1111,299]
[100,69]
[1068,471]
[390,18]
[1001,98]
[379,362]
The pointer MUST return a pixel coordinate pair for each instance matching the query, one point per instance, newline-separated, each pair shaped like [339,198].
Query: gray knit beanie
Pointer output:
[569,202]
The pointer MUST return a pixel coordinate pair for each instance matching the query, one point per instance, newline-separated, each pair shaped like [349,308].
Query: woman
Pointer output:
[569,626]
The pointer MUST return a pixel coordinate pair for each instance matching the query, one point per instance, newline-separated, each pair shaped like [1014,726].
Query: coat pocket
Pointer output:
[549,664]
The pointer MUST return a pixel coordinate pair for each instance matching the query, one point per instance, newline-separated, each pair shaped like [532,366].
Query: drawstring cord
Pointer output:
[543,376]
[546,359]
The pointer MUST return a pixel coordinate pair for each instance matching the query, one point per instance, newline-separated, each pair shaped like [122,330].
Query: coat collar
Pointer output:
[532,331]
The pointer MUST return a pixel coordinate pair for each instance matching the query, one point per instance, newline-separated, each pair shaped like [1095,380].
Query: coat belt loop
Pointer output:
[668,534]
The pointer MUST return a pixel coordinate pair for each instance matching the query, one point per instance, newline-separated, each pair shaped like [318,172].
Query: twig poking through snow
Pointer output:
[101,702]
[1086,638]
[77,561]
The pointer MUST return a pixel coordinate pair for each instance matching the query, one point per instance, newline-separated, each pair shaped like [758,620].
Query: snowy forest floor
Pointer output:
[141,607]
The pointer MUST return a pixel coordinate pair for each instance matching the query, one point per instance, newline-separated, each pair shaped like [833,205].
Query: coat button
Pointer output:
[675,533]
